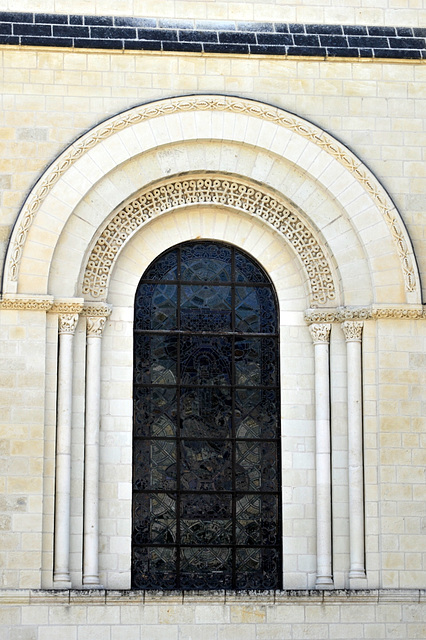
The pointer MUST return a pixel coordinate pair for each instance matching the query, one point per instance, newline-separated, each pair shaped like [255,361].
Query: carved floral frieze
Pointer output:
[228,192]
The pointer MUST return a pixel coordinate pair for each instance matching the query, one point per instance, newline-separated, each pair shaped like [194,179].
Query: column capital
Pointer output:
[320,332]
[95,325]
[67,323]
[352,331]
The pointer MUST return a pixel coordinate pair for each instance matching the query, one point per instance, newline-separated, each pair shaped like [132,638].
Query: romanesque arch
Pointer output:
[235,171]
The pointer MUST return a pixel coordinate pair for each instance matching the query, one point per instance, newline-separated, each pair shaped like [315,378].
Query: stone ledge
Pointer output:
[289,596]
[208,36]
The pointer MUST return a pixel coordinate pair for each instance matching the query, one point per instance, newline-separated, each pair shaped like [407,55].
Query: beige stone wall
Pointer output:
[49,99]
[376,109]
[389,12]
[123,616]
[23,449]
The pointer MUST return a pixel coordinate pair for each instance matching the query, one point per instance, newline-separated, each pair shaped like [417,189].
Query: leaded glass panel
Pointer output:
[206,456]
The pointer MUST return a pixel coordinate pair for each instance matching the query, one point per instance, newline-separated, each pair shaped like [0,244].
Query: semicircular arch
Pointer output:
[321,157]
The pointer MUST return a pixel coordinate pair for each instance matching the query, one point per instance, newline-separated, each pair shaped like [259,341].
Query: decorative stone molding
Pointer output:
[26,303]
[398,313]
[68,323]
[222,104]
[95,326]
[353,313]
[190,190]
[138,598]
[342,314]
[320,332]
[96,309]
[352,331]
[67,306]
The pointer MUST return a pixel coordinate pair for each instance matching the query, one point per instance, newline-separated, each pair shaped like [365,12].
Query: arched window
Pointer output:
[206,446]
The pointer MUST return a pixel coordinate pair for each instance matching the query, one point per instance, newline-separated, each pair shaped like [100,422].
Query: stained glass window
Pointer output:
[206,449]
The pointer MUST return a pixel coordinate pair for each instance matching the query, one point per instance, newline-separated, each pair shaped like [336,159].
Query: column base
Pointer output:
[324,582]
[94,587]
[357,580]
[62,584]
[91,582]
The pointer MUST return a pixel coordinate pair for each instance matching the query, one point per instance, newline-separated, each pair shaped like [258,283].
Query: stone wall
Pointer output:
[53,95]
[77,615]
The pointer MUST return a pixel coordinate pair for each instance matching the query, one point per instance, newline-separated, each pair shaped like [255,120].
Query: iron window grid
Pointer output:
[178,438]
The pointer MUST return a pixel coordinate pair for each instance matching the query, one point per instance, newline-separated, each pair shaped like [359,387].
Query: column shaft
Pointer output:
[320,334]
[91,453]
[61,569]
[353,335]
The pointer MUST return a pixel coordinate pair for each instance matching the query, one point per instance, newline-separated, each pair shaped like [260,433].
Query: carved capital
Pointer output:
[320,333]
[352,331]
[68,323]
[95,325]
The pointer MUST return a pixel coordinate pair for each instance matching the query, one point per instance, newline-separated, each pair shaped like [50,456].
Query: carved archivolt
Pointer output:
[225,192]
[213,103]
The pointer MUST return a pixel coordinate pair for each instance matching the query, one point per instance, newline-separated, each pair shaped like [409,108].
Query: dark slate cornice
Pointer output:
[207,36]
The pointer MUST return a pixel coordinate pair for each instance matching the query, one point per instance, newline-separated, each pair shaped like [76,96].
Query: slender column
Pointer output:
[353,336]
[61,569]
[95,327]
[321,335]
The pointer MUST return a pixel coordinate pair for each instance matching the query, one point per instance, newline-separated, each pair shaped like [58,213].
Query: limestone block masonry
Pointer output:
[296,132]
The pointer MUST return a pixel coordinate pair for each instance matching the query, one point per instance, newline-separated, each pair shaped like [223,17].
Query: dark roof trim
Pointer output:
[207,36]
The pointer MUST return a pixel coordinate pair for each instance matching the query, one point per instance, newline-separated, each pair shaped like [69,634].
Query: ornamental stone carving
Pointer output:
[67,306]
[320,332]
[97,309]
[68,323]
[341,314]
[215,190]
[26,304]
[352,331]
[223,104]
[95,326]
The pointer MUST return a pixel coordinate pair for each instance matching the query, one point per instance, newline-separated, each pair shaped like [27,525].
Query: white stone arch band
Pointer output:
[215,190]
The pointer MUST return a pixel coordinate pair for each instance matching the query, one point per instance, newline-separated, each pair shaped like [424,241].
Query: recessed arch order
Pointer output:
[213,151]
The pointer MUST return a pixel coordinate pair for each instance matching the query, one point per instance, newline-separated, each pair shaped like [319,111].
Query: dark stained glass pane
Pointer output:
[206,465]
[206,568]
[206,262]
[199,412]
[154,567]
[247,271]
[155,359]
[154,464]
[206,459]
[206,506]
[260,566]
[155,410]
[157,308]
[205,308]
[205,360]
[255,361]
[164,268]
[154,517]
[256,413]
